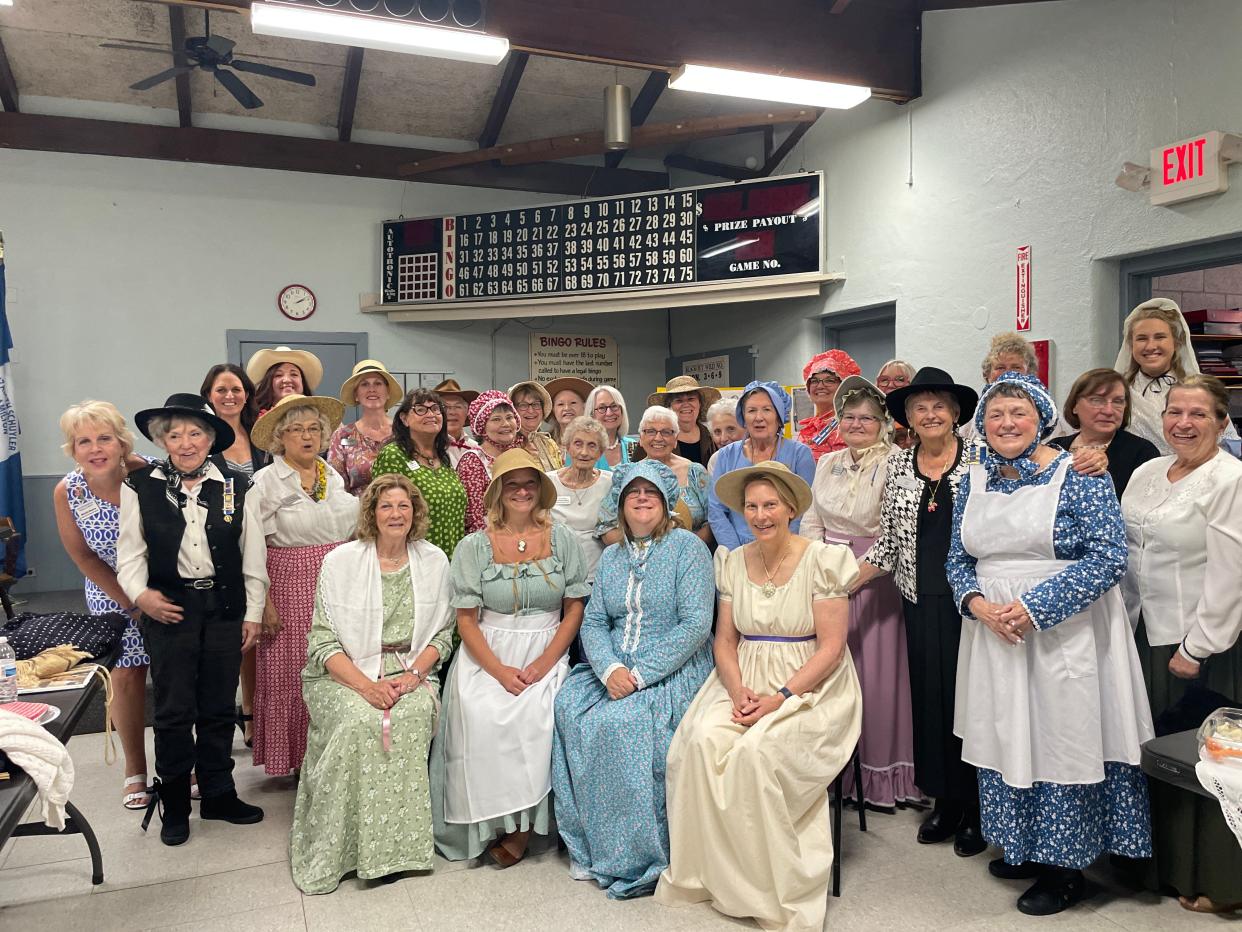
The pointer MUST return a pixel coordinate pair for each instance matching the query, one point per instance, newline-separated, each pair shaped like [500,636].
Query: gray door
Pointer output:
[337,351]
[868,336]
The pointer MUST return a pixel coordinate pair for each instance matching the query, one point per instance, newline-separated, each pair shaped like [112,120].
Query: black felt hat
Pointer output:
[185,404]
[931,379]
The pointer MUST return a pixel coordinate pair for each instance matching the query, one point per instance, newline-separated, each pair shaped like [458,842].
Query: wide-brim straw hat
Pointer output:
[450,387]
[931,379]
[365,369]
[530,385]
[264,359]
[511,461]
[187,404]
[568,383]
[730,488]
[264,431]
[681,385]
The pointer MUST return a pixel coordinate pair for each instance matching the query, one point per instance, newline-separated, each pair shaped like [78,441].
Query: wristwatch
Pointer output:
[784,691]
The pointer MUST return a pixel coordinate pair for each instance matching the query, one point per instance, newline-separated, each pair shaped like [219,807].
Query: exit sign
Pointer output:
[1188,169]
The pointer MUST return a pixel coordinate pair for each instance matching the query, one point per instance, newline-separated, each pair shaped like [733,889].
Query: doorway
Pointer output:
[867,334]
[337,351]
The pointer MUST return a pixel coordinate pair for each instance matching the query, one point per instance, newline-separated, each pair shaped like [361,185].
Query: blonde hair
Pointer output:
[95,412]
[368,528]
[1009,342]
[542,517]
[296,413]
[1214,388]
[1173,319]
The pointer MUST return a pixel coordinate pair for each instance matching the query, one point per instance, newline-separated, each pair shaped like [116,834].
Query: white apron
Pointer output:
[497,746]
[1056,707]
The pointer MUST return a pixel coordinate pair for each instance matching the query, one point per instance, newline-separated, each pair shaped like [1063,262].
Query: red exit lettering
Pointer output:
[1183,163]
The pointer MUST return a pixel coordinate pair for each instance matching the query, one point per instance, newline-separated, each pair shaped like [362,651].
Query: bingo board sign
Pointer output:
[768,228]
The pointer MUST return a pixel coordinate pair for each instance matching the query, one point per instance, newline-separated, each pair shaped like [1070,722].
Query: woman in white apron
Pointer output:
[1051,706]
[518,587]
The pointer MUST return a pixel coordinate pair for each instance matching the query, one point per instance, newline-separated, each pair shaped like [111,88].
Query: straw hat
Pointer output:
[187,404]
[681,385]
[368,367]
[531,385]
[568,383]
[510,461]
[264,359]
[450,387]
[264,431]
[730,486]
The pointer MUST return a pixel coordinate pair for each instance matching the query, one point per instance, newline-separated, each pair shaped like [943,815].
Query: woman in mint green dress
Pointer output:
[381,626]
[518,588]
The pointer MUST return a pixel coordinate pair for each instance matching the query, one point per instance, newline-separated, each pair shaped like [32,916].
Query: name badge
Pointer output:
[348,441]
[86,510]
[291,499]
[838,470]
[411,465]
[562,499]
[908,482]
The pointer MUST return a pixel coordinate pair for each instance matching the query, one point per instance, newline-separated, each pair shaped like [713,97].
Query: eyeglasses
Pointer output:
[651,433]
[607,409]
[641,492]
[866,420]
[822,381]
[1101,402]
[304,430]
[529,405]
[424,410]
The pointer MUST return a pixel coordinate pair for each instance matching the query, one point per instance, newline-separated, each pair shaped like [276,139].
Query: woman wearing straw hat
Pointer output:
[495,422]
[647,641]
[283,371]
[569,395]
[534,405]
[518,587]
[457,417]
[750,765]
[353,447]
[847,491]
[190,554]
[689,401]
[823,376]
[306,515]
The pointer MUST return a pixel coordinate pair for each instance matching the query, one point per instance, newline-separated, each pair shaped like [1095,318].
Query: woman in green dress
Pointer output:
[381,627]
[419,451]
[518,588]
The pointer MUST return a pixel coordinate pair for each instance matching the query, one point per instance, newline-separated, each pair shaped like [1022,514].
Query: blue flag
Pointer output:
[12,502]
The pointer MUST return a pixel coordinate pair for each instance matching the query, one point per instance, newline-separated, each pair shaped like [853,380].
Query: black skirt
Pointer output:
[933,631]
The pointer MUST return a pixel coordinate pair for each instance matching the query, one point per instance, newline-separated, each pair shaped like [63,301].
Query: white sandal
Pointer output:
[194,791]
[139,799]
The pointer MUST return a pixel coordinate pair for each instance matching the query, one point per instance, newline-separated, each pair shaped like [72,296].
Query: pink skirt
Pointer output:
[280,715]
[877,641]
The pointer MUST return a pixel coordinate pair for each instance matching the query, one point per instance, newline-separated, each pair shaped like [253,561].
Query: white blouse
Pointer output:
[291,518]
[1185,554]
[578,509]
[1147,398]
[845,497]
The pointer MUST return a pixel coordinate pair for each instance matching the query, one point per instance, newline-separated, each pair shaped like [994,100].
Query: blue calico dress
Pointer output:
[651,612]
[693,496]
[1054,723]
[100,522]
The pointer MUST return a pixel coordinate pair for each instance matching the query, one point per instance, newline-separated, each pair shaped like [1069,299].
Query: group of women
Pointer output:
[468,629]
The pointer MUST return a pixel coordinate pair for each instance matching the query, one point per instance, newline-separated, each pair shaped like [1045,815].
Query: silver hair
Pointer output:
[900,364]
[159,426]
[297,413]
[723,406]
[658,413]
[585,425]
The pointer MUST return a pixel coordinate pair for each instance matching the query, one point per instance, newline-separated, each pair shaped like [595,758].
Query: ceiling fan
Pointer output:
[213,54]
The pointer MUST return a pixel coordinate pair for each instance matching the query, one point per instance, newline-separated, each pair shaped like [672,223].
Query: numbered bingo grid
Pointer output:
[417,277]
[642,241]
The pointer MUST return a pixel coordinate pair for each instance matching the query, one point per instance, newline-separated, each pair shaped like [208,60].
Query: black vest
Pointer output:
[163,527]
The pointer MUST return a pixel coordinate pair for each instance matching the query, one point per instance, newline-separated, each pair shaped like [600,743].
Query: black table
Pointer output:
[19,790]
[1172,759]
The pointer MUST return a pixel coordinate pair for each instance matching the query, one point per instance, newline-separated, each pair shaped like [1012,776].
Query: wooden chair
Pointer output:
[837,804]
[12,544]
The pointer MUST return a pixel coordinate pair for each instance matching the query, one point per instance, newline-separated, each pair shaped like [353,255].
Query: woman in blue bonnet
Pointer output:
[646,636]
[1051,706]
[763,410]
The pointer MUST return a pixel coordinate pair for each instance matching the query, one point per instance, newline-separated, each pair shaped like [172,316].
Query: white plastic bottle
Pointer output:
[8,672]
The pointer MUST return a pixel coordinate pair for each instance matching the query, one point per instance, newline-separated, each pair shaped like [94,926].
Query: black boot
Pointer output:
[1057,889]
[942,824]
[228,808]
[1006,871]
[172,797]
[969,840]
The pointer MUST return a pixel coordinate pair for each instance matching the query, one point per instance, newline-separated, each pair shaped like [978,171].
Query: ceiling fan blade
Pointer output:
[160,78]
[232,83]
[137,48]
[284,74]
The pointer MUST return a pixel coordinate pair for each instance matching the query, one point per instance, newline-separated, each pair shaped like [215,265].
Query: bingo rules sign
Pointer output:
[765,228]
[586,356]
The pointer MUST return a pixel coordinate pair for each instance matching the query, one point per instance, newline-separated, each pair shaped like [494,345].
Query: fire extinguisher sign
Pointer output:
[1023,310]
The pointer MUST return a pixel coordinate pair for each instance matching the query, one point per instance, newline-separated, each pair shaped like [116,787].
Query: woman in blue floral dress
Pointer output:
[1051,706]
[646,636]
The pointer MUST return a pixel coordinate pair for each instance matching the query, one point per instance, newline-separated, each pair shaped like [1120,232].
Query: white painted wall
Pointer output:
[1028,113]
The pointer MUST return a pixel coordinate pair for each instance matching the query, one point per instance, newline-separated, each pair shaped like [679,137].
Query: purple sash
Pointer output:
[777,638]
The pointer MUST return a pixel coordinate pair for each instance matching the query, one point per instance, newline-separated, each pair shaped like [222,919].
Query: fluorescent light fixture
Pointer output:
[727,247]
[773,87]
[291,22]
[6,2]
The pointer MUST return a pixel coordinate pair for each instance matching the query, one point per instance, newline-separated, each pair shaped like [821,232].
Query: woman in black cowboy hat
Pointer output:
[191,555]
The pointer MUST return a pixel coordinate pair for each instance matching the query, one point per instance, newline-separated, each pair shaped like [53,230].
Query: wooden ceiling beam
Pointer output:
[652,88]
[176,30]
[709,167]
[349,95]
[774,160]
[503,98]
[295,153]
[8,84]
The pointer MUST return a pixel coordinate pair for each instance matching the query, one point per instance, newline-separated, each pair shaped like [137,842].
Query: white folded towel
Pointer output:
[45,759]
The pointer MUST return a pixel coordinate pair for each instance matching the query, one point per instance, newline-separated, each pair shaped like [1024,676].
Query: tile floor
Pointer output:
[237,877]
